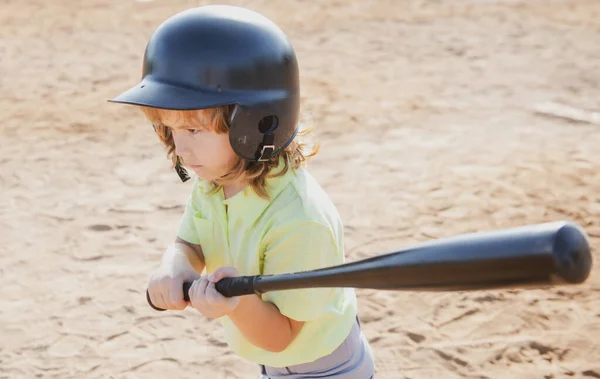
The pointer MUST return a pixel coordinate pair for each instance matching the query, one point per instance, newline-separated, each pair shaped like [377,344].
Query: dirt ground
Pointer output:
[427,121]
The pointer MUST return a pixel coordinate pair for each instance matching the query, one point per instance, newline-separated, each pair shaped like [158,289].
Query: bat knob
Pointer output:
[152,305]
[572,253]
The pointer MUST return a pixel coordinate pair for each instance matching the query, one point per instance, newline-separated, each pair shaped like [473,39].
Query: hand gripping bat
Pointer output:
[531,256]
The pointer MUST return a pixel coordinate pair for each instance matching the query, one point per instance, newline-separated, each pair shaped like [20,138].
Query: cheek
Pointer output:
[226,151]
[221,151]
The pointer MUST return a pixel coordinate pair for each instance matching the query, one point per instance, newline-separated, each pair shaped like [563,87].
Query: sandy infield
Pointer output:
[426,112]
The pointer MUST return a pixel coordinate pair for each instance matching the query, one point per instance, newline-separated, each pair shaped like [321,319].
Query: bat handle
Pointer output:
[238,286]
[228,287]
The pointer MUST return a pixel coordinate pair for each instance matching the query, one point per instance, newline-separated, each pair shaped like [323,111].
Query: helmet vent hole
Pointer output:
[268,124]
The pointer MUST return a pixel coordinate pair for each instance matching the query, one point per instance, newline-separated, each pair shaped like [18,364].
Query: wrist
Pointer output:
[244,303]
[175,258]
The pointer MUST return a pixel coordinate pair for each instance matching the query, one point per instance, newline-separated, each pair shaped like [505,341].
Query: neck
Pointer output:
[231,189]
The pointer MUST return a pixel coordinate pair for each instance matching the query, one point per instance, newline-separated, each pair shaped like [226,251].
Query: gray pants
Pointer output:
[353,359]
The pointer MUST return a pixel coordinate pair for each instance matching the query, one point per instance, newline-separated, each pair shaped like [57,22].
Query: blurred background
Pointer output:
[435,118]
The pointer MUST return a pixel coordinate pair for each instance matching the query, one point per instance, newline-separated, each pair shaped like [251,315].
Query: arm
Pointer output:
[182,249]
[260,322]
[182,261]
[263,325]
[273,321]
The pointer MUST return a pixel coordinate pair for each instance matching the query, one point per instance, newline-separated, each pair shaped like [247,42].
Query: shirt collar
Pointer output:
[247,204]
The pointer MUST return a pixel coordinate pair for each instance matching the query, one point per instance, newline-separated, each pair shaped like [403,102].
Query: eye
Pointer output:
[194,131]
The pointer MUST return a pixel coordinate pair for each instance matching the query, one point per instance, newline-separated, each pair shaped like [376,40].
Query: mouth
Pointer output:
[194,165]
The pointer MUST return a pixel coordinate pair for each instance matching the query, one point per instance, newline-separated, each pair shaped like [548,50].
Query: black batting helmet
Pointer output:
[221,55]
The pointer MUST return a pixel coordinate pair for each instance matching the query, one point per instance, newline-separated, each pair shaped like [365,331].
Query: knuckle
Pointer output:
[212,298]
[162,282]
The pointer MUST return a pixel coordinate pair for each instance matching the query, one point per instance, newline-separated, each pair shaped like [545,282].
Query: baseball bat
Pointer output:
[531,256]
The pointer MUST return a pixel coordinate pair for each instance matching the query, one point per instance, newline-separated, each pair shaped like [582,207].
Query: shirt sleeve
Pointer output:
[187,229]
[298,247]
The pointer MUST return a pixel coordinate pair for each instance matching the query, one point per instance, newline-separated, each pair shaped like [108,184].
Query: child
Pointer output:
[220,85]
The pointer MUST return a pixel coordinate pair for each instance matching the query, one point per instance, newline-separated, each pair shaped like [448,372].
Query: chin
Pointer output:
[205,176]
[200,171]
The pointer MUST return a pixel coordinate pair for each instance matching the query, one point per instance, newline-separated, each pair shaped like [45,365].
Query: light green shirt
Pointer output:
[298,229]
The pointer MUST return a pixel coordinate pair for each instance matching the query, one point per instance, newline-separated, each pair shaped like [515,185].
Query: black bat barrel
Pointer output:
[530,256]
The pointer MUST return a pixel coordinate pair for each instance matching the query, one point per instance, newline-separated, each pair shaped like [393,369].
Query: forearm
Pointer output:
[180,252]
[263,325]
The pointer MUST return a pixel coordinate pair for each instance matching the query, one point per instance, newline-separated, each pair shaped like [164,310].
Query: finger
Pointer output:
[176,296]
[193,289]
[154,292]
[154,301]
[203,283]
[157,301]
[212,296]
[197,292]
[222,272]
[164,294]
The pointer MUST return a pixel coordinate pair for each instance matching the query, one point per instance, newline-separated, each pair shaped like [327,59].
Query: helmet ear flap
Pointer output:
[268,124]
[260,131]
[233,109]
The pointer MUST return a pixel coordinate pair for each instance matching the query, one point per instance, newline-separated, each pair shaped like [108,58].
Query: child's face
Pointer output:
[204,151]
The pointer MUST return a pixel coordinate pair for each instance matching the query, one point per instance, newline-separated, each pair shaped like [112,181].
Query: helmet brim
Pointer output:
[155,94]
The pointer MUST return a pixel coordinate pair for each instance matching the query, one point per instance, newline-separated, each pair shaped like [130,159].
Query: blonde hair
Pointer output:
[295,155]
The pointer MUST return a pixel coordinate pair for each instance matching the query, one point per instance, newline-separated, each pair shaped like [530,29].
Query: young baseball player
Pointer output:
[220,85]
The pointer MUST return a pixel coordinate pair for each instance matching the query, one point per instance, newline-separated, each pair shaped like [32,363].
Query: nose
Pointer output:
[182,144]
